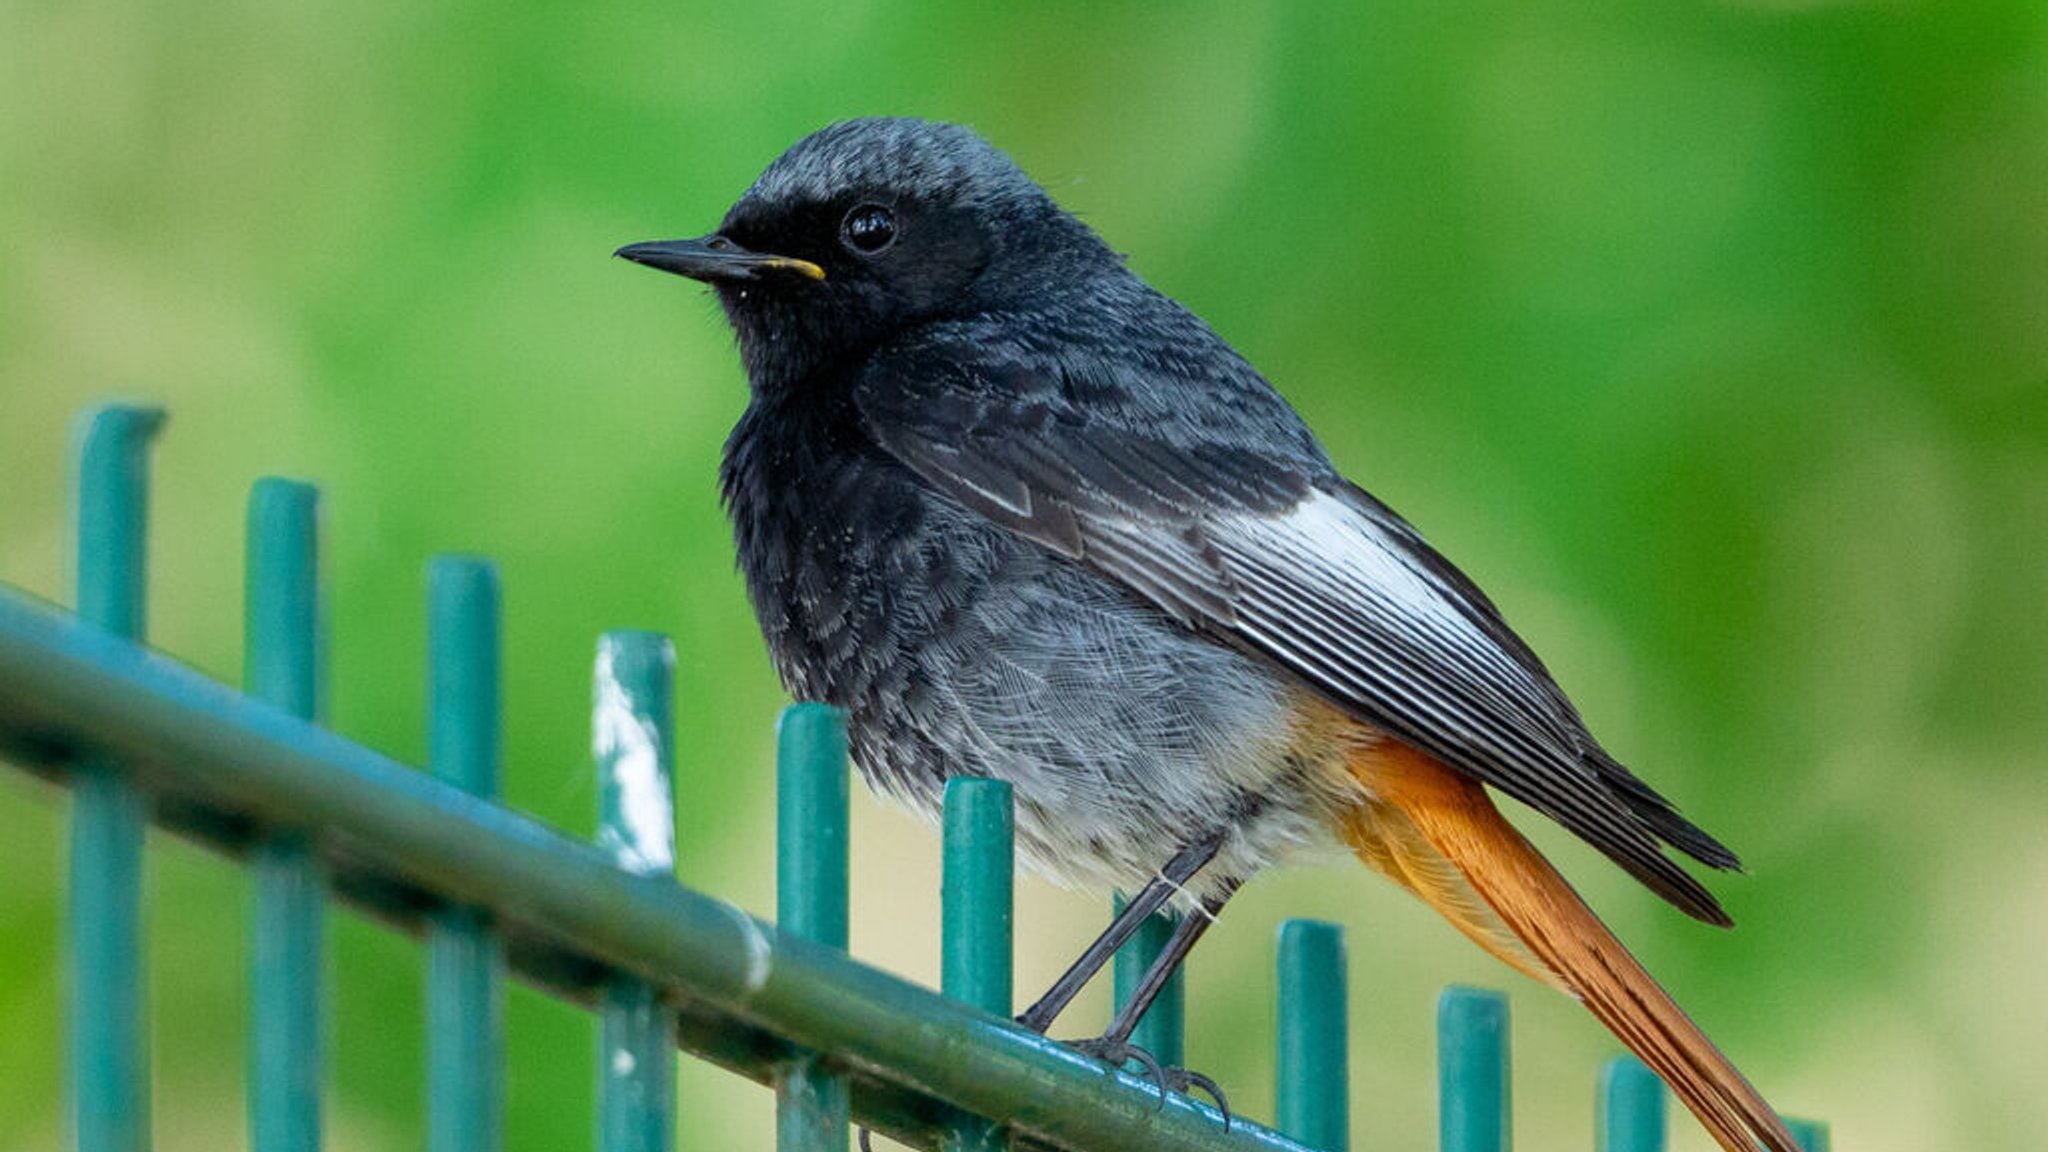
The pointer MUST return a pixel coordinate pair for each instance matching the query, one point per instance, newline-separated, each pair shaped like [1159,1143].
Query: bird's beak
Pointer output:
[714,259]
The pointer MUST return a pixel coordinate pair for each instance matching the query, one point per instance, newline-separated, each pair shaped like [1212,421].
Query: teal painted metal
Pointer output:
[977,893]
[1162,1032]
[811,1101]
[281,665]
[1472,1071]
[220,763]
[1312,1075]
[1812,1135]
[281,639]
[1629,1115]
[112,493]
[109,1074]
[633,726]
[977,909]
[465,957]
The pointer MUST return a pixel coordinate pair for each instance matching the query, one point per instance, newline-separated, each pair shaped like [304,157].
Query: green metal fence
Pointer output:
[139,738]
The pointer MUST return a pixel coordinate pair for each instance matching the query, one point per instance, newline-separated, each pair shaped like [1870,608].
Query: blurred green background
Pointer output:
[1711,339]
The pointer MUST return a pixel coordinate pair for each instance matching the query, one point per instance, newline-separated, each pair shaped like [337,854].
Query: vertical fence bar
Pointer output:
[1630,1109]
[1162,1032]
[281,665]
[465,960]
[633,736]
[1472,1071]
[1313,1076]
[1811,1134]
[976,899]
[810,901]
[109,1074]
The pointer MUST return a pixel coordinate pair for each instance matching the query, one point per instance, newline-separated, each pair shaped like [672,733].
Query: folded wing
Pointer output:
[1203,493]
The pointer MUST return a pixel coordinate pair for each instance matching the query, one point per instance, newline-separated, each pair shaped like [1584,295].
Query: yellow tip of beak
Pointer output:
[804,267]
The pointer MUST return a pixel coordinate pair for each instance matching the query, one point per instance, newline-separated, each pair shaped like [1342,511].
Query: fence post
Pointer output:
[1811,1134]
[1630,1109]
[634,740]
[977,903]
[281,666]
[1162,1031]
[109,1075]
[1312,1072]
[810,902]
[1472,1071]
[465,960]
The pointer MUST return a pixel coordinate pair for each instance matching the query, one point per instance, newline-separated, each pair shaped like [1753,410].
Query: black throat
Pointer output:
[825,523]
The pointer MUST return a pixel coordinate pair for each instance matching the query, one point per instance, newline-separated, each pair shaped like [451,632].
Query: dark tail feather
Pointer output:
[1663,819]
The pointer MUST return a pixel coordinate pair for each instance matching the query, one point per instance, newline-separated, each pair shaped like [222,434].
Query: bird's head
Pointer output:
[869,228]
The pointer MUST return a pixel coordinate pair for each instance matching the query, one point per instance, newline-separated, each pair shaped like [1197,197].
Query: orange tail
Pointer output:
[1423,816]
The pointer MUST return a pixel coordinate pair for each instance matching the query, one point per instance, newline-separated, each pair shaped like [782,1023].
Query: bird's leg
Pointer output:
[1171,878]
[1115,1045]
[1039,1016]
[1178,945]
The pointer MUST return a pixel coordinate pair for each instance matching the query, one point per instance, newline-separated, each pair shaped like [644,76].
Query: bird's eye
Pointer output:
[868,229]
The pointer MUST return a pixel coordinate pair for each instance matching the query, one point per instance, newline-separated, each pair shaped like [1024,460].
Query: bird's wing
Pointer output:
[1208,497]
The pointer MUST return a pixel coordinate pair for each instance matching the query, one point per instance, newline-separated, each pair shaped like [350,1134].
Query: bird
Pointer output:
[1023,516]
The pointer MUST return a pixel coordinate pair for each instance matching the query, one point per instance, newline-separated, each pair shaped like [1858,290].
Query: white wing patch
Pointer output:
[1325,588]
[1326,538]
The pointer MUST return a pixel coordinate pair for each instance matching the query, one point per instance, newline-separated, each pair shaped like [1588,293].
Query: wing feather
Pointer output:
[1207,497]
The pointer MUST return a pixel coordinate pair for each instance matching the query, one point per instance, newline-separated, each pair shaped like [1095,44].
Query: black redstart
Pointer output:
[1024,517]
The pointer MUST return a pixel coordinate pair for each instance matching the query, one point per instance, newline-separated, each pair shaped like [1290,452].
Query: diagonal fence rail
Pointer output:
[139,738]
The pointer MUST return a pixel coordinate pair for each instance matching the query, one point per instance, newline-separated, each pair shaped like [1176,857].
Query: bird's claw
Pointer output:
[1117,1053]
[1186,1080]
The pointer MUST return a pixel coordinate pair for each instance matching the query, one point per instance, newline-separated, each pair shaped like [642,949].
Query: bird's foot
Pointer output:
[1182,1080]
